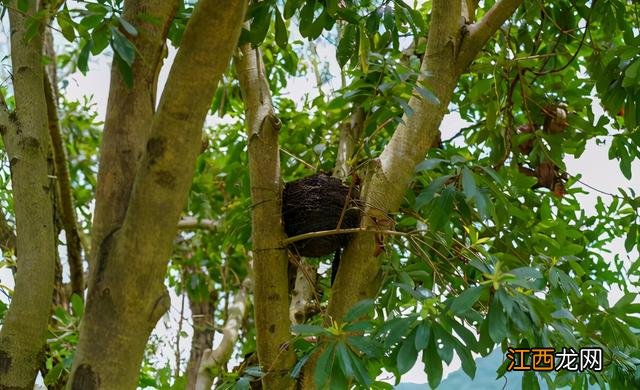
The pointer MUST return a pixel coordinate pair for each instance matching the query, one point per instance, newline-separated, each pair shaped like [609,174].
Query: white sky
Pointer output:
[596,169]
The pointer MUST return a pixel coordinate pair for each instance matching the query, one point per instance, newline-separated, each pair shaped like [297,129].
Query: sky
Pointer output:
[596,169]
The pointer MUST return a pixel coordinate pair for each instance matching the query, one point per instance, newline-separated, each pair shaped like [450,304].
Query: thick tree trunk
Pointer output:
[26,140]
[129,116]
[450,49]
[127,294]
[271,292]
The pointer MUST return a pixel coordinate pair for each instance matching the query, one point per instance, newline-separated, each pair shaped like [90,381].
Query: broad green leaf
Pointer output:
[407,354]
[359,310]
[307,329]
[128,27]
[468,183]
[363,49]
[423,334]
[66,25]
[122,46]
[497,322]
[466,299]
[282,35]
[432,364]
[324,366]
[344,359]
[83,58]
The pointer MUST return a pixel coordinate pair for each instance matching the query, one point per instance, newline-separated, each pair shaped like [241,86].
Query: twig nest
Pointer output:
[316,203]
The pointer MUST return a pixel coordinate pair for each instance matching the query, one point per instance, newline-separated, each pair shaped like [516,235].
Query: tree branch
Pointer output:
[216,358]
[68,212]
[270,262]
[193,223]
[479,33]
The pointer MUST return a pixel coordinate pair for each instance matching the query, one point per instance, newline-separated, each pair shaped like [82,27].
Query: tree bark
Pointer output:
[451,47]
[65,196]
[218,357]
[271,292]
[127,294]
[26,140]
[203,332]
[129,115]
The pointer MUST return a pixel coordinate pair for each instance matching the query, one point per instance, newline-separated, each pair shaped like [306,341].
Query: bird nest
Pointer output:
[316,203]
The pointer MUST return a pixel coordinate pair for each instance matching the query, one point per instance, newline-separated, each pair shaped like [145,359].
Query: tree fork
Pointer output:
[127,294]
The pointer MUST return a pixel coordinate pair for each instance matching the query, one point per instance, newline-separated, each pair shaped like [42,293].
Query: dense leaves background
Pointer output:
[489,256]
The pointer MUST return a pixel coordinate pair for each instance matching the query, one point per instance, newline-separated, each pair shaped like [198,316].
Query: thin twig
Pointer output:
[324,233]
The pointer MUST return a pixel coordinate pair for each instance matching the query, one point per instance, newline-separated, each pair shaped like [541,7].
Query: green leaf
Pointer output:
[366,345]
[427,195]
[54,374]
[468,183]
[632,238]
[66,25]
[77,305]
[363,49]
[347,45]
[23,6]
[427,95]
[423,334]
[290,8]
[432,364]
[497,322]
[344,359]
[324,366]
[83,57]
[306,17]
[297,369]
[530,381]
[125,71]
[122,46]
[407,354]
[128,27]
[396,328]
[308,329]
[468,363]
[260,25]
[465,301]
[361,374]
[101,37]
[359,310]
[282,35]
[429,164]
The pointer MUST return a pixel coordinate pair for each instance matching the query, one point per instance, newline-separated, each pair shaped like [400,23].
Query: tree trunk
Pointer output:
[127,294]
[451,47]
[271,292]
[26,140]
[203,332]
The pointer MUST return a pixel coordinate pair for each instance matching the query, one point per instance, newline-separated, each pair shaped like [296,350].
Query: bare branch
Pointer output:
[68,213]
[479,33]
[230,333]
[193,223]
